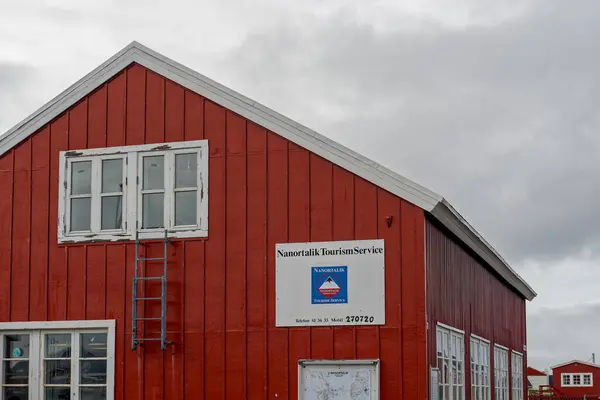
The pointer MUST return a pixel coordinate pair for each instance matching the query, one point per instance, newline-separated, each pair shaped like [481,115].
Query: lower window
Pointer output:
[451,364]
[57,364]
[480,369]
[517,376]
[501,373]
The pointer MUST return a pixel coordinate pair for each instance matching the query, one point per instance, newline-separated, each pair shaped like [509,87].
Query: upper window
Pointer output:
[517,376]
[501,373]
[577,379]
[480,369]
[450,362]
[118,192]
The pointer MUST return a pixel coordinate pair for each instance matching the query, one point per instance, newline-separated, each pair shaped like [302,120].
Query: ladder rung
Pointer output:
[152,259]
[148,298]
[147,339]
[149,278]
[148,319]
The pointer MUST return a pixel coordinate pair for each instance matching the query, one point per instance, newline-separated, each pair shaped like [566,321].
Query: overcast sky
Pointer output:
[493,104]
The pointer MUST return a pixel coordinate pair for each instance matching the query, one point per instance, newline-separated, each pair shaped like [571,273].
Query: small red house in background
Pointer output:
[576,378]
[148,215]
[537,379]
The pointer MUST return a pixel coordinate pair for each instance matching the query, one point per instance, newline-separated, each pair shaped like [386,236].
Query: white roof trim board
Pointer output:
[367,169]
[573,362]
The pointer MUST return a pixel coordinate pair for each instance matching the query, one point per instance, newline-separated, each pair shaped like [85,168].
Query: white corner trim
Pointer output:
[334,152]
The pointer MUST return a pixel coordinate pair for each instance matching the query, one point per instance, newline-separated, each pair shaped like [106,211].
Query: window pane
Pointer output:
[57,372]
[153,210]
[16,372]
[16,346]
[93,345]
[93,393]
[58,346]
[112,212]
[185,208]
[154,172]
[112,176]
[55,393]
[81,177]
[20,393]
[81,214]
[185,170]
[93,372]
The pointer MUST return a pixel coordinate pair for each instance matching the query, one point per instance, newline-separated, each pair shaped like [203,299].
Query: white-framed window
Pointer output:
[450,361]
[480,369]
[501,372]
[577,379]
[57,360]
[113,193]
[517,375]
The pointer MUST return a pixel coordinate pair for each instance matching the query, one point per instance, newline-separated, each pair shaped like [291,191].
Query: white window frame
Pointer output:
[480,368]
[132,189]
[501,372]
[36,332]
[571,377]
[451,380]
[517,375]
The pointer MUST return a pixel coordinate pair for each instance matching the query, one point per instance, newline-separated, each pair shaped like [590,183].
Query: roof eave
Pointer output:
[575,362]
[453,221]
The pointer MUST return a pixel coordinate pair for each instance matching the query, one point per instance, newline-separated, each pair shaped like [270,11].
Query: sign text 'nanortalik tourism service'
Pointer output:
[330,283]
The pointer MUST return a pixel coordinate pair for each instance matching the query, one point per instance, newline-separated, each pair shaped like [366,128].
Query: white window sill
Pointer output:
[126,237]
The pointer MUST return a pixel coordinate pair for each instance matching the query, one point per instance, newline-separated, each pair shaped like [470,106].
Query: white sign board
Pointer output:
[330,283]
[338,380]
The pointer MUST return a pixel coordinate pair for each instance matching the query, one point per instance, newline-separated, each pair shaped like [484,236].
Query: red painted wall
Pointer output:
[576,391]
[221,293]
[463,293]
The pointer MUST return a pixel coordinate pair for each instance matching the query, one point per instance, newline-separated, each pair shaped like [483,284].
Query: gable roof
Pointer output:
[575,361]
[367,169]
[534,372]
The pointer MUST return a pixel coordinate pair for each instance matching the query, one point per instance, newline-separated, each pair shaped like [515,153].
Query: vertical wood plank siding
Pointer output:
[221,292]
[463,293]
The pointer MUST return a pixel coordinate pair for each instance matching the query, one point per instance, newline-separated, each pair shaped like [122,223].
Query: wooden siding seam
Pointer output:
[51,224]
[246,258]
[224,333]
[12,221]
[30,140]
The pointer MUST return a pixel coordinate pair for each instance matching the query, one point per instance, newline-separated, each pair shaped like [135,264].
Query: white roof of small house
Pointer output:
[367,169]
[589,364]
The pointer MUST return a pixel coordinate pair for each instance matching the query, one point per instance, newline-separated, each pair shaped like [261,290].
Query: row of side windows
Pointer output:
[114,193]
[450,363]
[577,379]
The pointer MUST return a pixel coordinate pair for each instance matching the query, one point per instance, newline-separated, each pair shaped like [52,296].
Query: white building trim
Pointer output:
[369,170]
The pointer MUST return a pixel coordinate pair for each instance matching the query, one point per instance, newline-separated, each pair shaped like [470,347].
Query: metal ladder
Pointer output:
[135,339]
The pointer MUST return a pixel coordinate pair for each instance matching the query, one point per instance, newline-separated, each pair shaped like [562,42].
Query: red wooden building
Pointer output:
[576,378]
[142,146]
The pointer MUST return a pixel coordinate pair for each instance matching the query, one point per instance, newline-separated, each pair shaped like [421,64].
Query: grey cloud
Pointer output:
[561,335]
[17,83]
[501,119]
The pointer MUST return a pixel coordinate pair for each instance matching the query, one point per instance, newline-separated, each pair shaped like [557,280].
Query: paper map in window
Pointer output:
[338,385]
